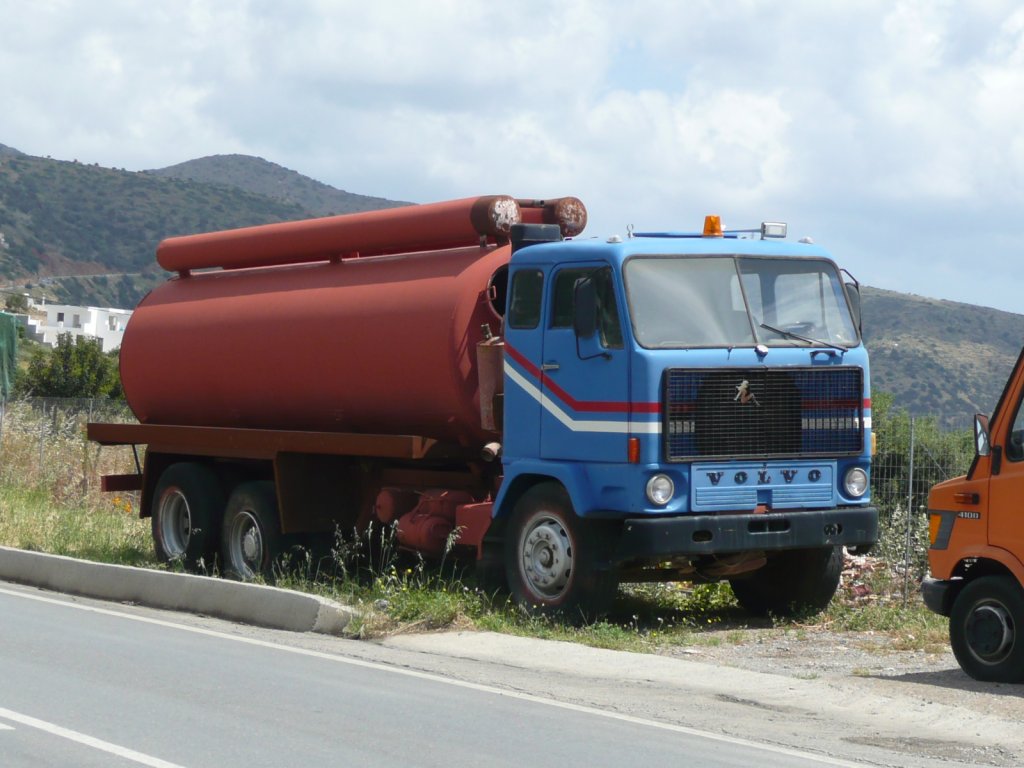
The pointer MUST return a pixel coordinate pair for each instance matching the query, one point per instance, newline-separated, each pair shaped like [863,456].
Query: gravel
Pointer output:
[866,662]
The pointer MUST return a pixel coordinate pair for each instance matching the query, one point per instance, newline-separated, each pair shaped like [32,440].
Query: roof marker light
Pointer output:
[713,226]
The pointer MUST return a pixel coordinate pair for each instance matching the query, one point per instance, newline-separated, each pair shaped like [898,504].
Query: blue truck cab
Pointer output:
[683,407]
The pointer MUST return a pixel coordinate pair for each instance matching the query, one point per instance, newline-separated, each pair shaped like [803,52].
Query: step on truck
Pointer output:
[976,549]
[473,374]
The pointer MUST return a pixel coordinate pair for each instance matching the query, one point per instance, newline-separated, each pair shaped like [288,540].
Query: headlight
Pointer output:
[660,489]
[855,482]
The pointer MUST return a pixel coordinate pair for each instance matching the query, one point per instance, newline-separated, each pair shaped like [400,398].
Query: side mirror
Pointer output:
[584,310]
[853,293]
[982,445]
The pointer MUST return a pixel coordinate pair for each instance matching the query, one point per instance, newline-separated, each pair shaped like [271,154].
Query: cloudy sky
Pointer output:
[892,132]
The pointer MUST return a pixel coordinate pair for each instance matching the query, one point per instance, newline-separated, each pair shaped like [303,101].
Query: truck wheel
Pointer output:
[188,504]
[551,557]
[794,582]
[251,537]
[983,629]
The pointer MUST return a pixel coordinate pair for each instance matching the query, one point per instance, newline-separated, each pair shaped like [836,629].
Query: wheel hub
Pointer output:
[175,523]
[990,632]
[245,545]
[547,557]
[251,545]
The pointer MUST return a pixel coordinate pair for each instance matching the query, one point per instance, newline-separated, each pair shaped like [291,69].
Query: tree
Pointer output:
[76,367]
[16,302]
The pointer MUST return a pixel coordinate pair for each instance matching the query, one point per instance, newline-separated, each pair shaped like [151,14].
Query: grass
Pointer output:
[49,499]
[29,520]
[50,502]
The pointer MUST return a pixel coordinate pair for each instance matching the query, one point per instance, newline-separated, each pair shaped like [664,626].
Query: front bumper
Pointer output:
[939,594]
[695,535]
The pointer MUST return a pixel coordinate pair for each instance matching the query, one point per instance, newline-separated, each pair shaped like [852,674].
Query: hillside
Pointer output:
[939,357]
[84,234]
[61,218]
[261,177]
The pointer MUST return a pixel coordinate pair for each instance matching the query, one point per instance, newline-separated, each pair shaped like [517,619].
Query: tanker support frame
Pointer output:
[250,496]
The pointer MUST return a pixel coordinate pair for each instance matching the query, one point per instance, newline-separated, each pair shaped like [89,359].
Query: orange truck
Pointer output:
[976,554]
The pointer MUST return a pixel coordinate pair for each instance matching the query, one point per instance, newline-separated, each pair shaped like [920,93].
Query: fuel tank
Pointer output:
[383,345]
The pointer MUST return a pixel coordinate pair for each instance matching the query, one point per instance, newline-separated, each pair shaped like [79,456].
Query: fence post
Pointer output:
[42,437]
[910,516]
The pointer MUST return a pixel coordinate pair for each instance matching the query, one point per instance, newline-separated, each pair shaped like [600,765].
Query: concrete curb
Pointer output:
[232,600]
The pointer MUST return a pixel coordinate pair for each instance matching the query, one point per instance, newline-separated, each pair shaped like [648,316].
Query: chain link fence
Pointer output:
[43,443]
[913,454]
[59,418]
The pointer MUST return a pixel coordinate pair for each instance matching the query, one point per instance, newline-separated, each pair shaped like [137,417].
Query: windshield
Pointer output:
[732,301]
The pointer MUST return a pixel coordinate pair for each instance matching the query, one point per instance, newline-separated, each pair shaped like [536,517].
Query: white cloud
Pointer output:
[888,130]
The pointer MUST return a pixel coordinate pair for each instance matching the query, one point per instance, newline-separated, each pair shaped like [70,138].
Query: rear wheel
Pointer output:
[794,582]
[552,558]
[985,629]
[187,508]
[251,538]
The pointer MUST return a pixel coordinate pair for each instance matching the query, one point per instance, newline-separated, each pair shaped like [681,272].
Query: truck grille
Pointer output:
[759,413]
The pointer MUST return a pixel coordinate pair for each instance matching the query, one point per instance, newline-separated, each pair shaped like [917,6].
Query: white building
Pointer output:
[104,323]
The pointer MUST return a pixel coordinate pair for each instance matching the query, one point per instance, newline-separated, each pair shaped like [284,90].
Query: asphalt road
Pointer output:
[85,684]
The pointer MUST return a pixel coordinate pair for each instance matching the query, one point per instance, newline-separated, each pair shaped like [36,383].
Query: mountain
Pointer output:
[83,234]
[939,357]
[61,218]
[261,177]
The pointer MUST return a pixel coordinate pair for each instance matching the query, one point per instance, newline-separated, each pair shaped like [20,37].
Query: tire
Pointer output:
[552,558]
[797,582]
[188,503]
[985,629]
[251,540]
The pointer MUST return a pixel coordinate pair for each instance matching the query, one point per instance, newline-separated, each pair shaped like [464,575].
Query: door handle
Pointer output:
[549,366]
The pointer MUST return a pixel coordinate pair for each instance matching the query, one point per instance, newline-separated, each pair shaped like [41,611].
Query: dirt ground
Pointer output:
[865,662]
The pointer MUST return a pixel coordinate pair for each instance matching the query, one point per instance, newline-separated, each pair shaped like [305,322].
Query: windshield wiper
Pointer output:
[808,339]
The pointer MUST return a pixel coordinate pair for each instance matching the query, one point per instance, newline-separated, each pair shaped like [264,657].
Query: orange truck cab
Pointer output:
[976,556]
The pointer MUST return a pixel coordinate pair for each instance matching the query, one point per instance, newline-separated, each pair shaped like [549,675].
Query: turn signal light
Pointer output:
[633,450]
[933,528]
[713,226]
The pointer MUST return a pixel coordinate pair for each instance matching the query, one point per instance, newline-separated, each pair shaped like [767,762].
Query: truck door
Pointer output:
[524,341]
[1006,489]
[584,385]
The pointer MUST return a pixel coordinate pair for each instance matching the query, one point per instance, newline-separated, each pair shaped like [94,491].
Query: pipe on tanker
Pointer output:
[568,213]
[434,226]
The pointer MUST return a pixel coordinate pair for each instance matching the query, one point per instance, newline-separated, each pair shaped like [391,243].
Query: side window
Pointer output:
[1015,440]
[608,324]
[565,285]
[525,301]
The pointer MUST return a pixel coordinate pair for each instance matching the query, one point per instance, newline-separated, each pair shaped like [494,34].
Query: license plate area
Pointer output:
[723,487]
